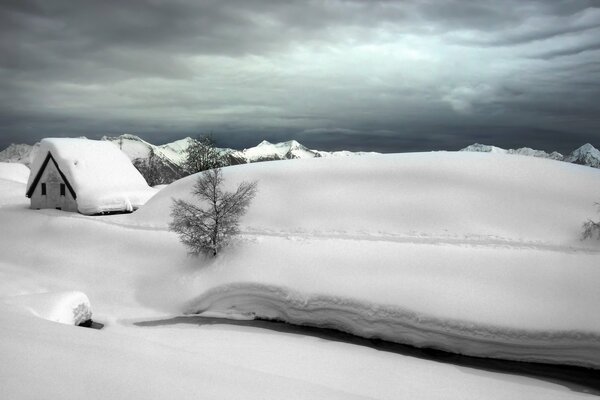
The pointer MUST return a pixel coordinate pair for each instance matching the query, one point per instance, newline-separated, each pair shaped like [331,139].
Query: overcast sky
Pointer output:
[383,75]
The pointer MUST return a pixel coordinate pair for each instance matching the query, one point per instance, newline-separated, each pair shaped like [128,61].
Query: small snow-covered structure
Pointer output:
[87,176]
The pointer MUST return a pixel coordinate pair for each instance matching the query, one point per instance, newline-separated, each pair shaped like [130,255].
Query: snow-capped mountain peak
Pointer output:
[585,155]
[484,148]
[264,143]
[266,150]
[294,144]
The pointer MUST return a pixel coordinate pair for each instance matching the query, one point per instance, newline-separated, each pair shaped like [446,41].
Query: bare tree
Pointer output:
[202,155]
[591,228]
[208,229]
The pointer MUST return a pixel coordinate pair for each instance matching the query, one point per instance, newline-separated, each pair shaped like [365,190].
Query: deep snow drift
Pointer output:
[473,253]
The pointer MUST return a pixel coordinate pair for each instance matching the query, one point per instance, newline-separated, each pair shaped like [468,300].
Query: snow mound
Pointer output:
[14,172]
[71,308]
[437,194]
[397,324]
[102,177]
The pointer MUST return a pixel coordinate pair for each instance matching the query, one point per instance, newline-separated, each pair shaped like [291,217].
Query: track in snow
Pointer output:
[472,240]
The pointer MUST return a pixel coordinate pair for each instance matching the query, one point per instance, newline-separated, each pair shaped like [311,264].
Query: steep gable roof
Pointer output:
[40,172]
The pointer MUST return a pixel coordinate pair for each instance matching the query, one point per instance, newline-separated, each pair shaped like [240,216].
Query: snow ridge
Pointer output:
[254,300]
[523,151]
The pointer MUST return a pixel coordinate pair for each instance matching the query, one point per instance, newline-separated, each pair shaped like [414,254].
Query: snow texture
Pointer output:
[103,178]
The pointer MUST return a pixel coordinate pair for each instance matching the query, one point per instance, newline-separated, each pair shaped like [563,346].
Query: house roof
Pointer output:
[99,175]
[38,175]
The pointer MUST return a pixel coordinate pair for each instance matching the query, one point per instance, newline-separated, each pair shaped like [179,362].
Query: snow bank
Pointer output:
[397,324]
[71,308]
[102,176]
[14,172]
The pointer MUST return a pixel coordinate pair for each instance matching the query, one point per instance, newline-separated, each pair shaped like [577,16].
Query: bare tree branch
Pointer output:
[208,230]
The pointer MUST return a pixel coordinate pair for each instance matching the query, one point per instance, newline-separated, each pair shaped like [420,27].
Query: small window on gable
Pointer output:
[62,189]
[43,189]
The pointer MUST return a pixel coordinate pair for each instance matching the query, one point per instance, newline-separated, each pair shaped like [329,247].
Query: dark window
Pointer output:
[62,189]
[43,189]
[58,208]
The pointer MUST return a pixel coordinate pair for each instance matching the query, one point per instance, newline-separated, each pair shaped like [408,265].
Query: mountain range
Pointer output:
[585,155]
[162,164]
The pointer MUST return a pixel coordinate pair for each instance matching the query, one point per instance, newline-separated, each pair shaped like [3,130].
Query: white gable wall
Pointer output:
[52,199]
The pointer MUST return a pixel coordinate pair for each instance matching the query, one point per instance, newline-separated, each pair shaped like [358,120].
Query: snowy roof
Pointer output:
[101,175]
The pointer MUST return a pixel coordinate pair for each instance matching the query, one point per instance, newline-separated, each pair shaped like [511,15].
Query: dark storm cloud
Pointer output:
[379,75]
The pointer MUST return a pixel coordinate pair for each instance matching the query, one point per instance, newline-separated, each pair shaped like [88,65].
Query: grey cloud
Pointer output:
[571,51]
[255,69]
[535,21]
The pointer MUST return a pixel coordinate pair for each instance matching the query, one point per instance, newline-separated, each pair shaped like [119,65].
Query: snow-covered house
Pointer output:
[88,176]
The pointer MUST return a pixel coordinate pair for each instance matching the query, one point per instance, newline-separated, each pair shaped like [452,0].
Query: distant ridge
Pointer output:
[163,164]
[523,151]
[586,155]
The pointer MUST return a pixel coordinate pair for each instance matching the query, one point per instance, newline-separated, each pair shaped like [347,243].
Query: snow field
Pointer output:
[312,239]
